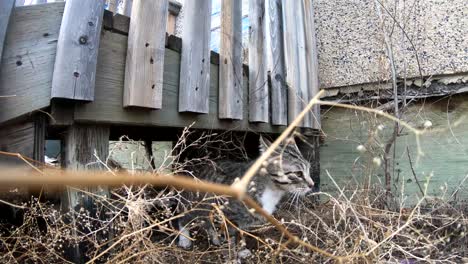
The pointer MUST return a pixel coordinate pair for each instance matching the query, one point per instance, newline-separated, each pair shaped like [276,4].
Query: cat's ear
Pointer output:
[292,146]
[264,144]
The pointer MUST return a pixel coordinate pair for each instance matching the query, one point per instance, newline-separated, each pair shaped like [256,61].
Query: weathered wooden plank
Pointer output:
[17,138]
[295,60]
[6,6]
[85,148]
[275,62]
[195,66]
[311,60]
[20,2]
[37,2]
[107,107]
[258,78]
[77,50]
[26,137]
[230,55]
[127,7]
[28,63]
[112,5]
[28,59]
[145,54]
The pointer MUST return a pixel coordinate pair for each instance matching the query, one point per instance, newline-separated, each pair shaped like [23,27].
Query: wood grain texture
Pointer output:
[258,78]
[112,5]
[127,7]
[17,138]
[295,60]
[28,64]
[28,59]
[311,60]
[107,107]
[85,147]
[194,89]
[230,56]
[145,54]
[19,2]
[77,50]
[26,137]
[6,7]
[275,62]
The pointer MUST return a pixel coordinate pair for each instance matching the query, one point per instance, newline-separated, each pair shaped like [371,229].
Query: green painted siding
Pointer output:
[445,148]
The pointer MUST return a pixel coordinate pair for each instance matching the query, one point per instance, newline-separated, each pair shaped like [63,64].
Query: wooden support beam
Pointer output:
[77,49]
[311,60]
[6,7]
[82,146]
[230,57]
[258,79]
[145,54]
[195,62]
[275,62]
[295,60]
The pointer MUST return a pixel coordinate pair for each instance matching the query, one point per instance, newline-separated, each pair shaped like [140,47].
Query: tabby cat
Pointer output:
[286,171]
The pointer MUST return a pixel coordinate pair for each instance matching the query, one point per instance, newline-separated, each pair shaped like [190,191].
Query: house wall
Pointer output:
[444,148]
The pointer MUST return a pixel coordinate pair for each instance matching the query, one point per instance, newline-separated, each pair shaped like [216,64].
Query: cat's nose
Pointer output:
[311,184]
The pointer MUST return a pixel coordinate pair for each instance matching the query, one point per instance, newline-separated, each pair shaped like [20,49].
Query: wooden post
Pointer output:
[77,49]
[81,145]
[6,7]
[194,85]
[275,62]
[311,60]
[145,54]
[295,60]
[230,61]
[258,79]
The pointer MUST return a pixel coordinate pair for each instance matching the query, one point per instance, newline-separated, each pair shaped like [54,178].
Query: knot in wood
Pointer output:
[83,39]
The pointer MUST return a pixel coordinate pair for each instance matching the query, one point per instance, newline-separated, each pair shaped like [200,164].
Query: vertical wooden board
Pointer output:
[37,2]
[195,61]
[85,147]
[230,61]
[28,59]
[295,60]
[20,2]
[6,7]
[145,54]
[127,7]
[77,49]
[258,79]
[275,62]
[112,5]
[312,61]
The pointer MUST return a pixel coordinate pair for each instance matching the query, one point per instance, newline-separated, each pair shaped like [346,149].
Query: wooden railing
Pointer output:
[282,75]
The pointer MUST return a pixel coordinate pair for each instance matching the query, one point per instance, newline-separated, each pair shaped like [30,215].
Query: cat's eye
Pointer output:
[298,174]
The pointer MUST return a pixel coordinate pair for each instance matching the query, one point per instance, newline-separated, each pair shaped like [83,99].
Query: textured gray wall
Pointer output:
[352,47]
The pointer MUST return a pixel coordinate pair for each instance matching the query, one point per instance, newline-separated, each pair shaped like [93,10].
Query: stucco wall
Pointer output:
[352,47]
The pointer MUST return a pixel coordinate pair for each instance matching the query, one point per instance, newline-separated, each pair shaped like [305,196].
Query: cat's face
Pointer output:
[288,169]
